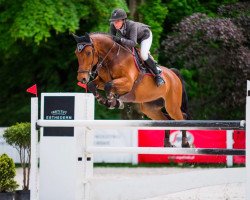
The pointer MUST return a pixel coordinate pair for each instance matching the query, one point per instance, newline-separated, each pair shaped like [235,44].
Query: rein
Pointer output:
[93,70]
[99,65]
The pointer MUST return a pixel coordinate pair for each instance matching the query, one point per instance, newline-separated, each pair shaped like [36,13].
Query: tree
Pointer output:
[18,136]
[153,13]
[7,174]
[36,47]
[178,9]
[214,51]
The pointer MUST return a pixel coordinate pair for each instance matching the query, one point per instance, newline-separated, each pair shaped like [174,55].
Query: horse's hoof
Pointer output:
[121,104]
[168,144]
[111,108]
[185,145]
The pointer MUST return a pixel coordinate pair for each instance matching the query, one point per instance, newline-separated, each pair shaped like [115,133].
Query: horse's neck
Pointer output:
[108,50]
[102,42]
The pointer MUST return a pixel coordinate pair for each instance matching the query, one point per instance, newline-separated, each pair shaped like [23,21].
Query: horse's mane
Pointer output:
[111,37]
[101,33]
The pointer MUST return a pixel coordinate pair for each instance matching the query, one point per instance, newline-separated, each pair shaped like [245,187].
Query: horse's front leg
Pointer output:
[112,97]
[93,87]
[116,87]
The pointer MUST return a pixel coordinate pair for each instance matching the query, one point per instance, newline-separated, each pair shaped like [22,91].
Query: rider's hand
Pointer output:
[117,39]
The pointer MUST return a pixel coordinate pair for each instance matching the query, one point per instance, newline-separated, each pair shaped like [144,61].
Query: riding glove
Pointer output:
[117,39]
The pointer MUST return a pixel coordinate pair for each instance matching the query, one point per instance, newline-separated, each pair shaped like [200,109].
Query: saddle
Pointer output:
[141,66]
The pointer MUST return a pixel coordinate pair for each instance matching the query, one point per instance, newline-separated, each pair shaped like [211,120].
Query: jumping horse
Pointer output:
[114,70]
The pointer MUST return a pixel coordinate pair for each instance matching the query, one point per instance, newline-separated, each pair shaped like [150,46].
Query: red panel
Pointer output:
[197,138]
[239,143]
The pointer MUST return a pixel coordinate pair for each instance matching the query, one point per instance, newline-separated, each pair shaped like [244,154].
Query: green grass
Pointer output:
[152,165]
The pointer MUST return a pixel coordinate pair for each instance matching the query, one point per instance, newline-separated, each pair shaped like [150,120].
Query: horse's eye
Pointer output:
[88,53]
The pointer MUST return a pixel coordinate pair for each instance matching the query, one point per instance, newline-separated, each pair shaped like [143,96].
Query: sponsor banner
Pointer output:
[196,138]
[59,108]
[239,143]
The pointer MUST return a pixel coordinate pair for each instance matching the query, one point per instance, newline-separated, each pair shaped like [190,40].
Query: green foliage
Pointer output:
[153,13]
[99,14]
[35,20]
[212,5]
[19,136]
[212,51]
[36,47]
[7,174]
[189,76]
[36,23]
[181,8]
[178,9]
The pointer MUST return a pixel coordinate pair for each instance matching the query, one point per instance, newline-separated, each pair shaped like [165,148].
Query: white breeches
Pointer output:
[145,46]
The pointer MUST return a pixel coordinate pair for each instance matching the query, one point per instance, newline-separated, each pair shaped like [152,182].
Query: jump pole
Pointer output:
[149,124]
[34,148]
[248,141]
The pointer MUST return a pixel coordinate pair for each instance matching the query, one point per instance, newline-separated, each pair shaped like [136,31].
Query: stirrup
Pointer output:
[159,80]
[158,69]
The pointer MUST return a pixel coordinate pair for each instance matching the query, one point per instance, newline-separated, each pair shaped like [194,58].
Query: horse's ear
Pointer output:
[78,39]
[87,38]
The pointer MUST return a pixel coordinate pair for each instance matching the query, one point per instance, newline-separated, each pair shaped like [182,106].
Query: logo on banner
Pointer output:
[58,115]
[58,112]
[176,138]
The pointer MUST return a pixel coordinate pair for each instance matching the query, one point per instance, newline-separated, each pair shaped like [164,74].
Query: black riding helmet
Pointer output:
[118,14]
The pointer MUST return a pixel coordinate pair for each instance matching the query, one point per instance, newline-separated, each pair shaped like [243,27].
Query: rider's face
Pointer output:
[118,23]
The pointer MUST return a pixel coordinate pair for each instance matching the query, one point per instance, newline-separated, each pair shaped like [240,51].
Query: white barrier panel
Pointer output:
[62,161]
[116,138]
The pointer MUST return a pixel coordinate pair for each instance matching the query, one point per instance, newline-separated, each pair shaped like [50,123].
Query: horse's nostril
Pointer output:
[84,80]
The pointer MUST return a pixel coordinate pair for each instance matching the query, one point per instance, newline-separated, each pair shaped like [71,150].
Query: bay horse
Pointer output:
[117,74]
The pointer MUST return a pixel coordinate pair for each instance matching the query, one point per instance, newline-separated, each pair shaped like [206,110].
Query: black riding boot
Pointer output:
[156,70]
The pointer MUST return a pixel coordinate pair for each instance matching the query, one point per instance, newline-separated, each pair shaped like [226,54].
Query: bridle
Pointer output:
[80,48]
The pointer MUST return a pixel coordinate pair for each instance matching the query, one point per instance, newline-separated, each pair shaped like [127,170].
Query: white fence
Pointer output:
[84,187]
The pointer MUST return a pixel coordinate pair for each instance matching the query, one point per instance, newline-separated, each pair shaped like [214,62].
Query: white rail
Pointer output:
[160,150]
[147,124]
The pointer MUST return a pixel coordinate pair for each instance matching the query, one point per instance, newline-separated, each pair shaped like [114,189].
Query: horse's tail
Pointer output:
[184,104]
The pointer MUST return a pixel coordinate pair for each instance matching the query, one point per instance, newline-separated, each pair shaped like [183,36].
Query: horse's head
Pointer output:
[87,57]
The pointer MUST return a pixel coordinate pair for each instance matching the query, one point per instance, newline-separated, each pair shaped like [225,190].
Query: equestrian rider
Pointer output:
[130,33]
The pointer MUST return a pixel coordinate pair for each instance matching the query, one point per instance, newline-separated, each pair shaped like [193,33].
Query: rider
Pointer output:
[129,33]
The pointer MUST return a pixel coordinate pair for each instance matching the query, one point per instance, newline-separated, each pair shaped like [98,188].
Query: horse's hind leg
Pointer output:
[153,111]
[184,143]
[174,110]
[166,139]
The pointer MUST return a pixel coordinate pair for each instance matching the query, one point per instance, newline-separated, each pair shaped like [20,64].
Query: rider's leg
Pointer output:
[145,47]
